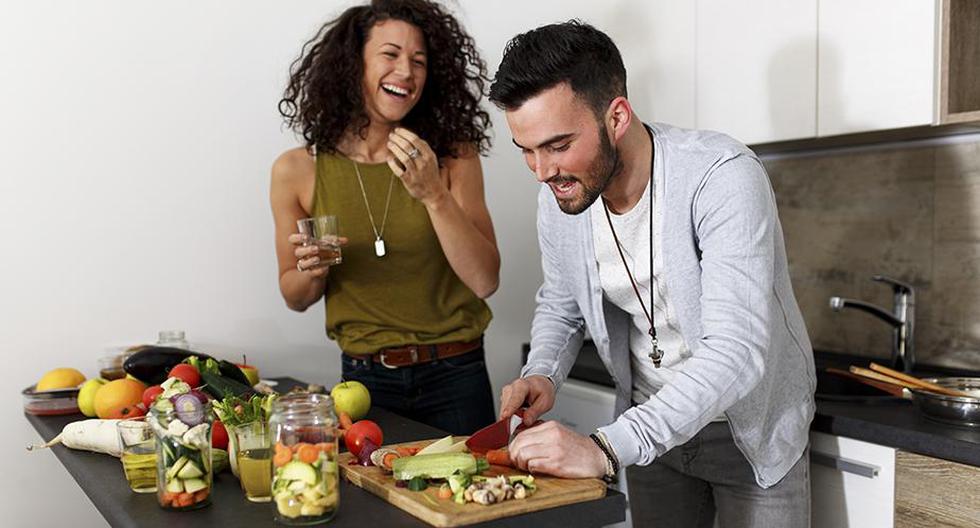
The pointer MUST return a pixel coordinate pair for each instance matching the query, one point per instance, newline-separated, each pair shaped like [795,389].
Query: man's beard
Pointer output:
[606,165]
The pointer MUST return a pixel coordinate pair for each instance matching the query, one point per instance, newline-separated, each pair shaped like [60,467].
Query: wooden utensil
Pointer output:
[894,390]
[920,383]
[870,374]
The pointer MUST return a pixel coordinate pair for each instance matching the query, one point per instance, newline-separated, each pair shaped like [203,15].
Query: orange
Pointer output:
[116,395]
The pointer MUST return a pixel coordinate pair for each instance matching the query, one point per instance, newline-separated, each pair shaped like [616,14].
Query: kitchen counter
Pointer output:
[101,478]
[875,417]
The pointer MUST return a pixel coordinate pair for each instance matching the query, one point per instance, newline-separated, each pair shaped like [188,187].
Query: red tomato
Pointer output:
[354,437]
[219,435]
[151,394]
[186,373]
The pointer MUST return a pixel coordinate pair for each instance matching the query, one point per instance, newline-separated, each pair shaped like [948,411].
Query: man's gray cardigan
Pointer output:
[725,270]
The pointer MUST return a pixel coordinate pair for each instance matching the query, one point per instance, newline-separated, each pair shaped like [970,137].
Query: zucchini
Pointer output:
[221,387]
[433,466]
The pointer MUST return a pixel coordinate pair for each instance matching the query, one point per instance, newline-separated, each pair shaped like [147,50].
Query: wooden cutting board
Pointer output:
[551,492]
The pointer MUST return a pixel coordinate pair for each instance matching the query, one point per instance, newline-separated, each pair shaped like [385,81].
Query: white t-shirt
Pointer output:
[633,230]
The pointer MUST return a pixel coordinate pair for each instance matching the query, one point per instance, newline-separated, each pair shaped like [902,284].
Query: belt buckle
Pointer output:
[415,358]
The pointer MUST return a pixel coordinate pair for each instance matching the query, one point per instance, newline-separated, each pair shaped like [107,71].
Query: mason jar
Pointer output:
[183,449]
[305,477]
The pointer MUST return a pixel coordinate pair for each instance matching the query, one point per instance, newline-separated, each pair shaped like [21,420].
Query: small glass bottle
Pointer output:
[183,449]
[305,476]
[172,338]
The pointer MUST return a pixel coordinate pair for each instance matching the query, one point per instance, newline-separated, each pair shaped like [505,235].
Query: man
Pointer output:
[664,244]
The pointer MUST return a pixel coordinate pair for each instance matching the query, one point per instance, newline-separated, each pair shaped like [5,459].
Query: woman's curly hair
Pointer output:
[324,98]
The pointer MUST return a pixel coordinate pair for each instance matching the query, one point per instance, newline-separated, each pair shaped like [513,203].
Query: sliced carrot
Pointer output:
[407,450]
[282,447]
[184,499]
[444,492]
[499,457]
[389,460]
[308,453]
[201,495]
[282,457]
[296,447]
[326,447]
[345,421]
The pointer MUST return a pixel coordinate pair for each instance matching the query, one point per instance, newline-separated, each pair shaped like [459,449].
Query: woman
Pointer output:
[386,98]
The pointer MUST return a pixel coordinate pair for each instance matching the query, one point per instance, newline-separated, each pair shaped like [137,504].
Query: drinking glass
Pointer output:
[254,458]
[139,457]
[322,231]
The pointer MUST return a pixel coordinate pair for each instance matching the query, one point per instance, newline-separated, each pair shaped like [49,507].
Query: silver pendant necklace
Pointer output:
[656,355]
[379,242]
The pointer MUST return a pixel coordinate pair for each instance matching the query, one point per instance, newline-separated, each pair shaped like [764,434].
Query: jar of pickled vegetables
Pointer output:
[182,426]
[305,477]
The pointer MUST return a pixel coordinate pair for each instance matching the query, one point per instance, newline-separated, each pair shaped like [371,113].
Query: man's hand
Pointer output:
[537,391]
[554,449]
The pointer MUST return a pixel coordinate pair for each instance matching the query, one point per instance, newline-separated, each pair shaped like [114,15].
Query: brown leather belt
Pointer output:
[405,356]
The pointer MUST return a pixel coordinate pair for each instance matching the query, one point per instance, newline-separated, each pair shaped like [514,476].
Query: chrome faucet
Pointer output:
[902,320]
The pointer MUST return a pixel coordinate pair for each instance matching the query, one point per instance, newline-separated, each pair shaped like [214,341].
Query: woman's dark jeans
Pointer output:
[452,394]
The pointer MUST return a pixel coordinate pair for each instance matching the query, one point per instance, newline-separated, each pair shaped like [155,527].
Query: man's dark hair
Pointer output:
[572,52]
[324,100]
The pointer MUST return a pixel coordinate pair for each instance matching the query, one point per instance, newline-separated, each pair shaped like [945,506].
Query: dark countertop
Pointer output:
[101,478]
[872,417]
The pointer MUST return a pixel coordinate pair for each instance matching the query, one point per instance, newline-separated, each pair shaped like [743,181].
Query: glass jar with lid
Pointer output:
[305,476]
[173,338]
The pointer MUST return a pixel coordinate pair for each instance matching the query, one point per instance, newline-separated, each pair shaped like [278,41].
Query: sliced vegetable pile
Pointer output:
[305,481]
[179,421]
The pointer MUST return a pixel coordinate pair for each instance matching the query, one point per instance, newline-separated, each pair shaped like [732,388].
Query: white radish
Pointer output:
[91,435]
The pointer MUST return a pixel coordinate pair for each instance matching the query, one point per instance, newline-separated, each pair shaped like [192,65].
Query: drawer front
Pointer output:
[852,483]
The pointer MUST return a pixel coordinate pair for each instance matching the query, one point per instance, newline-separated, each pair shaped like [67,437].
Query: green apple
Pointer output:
[351,397]
[251,373]
[86,396]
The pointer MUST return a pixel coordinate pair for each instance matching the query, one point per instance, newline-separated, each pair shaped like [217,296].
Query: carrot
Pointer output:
[326,447]
[184,499]
[345,421]
[308,453]
[201,495]
[499,457]
[282,456]
[297,446]
[444,492]
[167,497]
[389,460]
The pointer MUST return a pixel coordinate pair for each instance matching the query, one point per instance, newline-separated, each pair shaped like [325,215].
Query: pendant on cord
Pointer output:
[656,355]
[379,247]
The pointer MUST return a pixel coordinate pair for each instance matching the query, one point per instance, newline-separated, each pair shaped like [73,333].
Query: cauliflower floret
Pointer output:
[176,428]
[196,436]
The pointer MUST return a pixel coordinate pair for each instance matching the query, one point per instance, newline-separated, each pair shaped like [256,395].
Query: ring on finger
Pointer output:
[299,268]
[414,153]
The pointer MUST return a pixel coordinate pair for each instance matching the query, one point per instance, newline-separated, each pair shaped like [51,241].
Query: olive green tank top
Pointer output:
[409,296]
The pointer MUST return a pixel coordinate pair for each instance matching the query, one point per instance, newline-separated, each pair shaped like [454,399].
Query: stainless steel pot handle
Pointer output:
[845,465]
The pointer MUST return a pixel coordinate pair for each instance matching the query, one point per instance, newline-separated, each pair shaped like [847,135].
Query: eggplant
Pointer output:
[231,370]
[152,363]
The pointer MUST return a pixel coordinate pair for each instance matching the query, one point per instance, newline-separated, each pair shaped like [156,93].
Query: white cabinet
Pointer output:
[876,66]
[757,69]
[852,483]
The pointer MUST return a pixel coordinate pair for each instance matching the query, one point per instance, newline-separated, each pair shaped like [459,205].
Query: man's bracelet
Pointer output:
[612,465]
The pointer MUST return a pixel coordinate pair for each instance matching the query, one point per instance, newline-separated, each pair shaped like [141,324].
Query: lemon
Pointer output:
[86,396]
[60,378]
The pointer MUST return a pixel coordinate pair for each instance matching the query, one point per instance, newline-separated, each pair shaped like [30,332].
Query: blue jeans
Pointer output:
[452,394]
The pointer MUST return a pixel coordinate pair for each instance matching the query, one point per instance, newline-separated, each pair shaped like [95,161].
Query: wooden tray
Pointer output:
[551,492]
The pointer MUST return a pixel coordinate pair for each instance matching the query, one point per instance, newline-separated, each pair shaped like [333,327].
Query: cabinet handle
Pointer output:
[845,465]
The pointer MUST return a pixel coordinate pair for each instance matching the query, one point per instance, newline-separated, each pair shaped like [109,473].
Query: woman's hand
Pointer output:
[308,255]
[417,166]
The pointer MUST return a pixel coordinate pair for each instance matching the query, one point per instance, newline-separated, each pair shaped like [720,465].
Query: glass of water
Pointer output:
[322,232]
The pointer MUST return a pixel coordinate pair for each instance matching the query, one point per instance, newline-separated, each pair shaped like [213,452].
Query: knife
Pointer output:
[496,435]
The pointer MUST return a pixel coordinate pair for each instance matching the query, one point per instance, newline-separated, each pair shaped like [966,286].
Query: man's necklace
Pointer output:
[379,242]
[656,355]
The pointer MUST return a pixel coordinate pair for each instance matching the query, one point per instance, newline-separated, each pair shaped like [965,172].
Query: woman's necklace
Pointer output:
[656,355]
[379,242]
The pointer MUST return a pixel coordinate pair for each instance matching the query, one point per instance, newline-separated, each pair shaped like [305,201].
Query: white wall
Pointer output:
[135,145]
